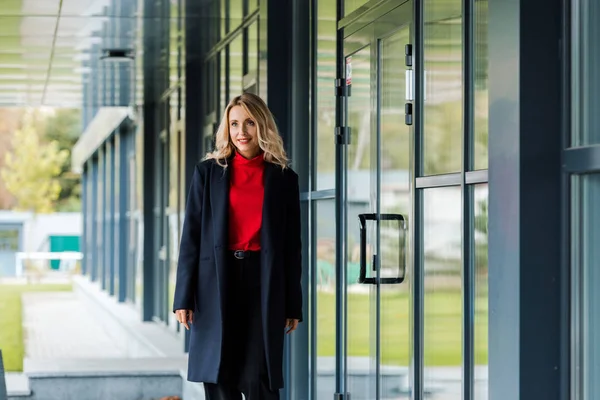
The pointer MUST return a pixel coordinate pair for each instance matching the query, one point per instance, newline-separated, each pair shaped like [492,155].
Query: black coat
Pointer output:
[202,279]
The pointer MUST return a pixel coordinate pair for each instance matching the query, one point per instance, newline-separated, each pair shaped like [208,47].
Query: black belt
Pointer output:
[242,254]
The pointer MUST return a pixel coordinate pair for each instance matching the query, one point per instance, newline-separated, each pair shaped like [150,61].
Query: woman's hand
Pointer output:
[185,316]
[291,324]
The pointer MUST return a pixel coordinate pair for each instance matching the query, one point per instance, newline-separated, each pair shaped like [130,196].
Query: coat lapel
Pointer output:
[219,201]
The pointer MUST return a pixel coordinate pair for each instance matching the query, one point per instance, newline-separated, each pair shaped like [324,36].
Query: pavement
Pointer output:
[58,326]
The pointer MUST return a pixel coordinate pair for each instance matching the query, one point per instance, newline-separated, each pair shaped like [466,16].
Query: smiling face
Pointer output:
[243,132]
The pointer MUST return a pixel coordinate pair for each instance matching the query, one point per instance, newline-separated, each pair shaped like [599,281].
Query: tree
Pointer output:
[31,170]
[64,127]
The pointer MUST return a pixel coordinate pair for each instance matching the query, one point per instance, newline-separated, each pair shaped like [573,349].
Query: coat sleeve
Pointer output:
[189,248]
[293,253]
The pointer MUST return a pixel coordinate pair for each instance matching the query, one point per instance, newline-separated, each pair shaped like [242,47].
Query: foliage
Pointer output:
[64,128]
[32,168]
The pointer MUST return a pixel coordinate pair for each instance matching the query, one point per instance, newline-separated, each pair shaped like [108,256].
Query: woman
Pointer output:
[238,278]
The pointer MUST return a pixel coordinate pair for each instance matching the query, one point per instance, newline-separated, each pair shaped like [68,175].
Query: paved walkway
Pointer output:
[57,326]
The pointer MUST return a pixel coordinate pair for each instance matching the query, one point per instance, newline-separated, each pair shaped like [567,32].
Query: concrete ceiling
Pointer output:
[44,47]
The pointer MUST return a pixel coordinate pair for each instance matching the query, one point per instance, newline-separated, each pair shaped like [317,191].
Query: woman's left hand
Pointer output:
[291,324]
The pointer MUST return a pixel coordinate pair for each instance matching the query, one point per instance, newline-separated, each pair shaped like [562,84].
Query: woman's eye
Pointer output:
[234,124]
[251,123]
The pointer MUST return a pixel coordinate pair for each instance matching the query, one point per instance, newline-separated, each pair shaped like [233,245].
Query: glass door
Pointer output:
[378,61]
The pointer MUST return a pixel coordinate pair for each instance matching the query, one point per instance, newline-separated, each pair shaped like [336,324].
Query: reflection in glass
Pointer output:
[325,288]
[236,61]
[224,21]
[480,101]
[394,199]
[100,261]
[442,113]
[173,211]
[351,5]
[480,318]
[442,330]
[174,20]
[253,48]
[586,257]
[117,239]
[139,207]
[223,79]
[236,13]
[586,73]
[361,187]
[325,112]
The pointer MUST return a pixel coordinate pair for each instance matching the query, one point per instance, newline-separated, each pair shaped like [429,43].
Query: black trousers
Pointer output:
[243,363]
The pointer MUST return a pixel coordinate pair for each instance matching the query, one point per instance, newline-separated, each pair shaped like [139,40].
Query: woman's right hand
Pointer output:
[185,316]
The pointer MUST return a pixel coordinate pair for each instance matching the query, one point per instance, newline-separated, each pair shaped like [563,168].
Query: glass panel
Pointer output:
[394,199]
[481,111]
[443,292]
[173,43]
[252,5]
[236,58]
[223,78]
[236,13]
[586,73]
[361,199]
[175,183]
[224,21]
[253,48]
[351,5]
[480,319]
[139,207]
[325,281]
[586,252]
[100,217]
[325,112]
[117,240]
[442,111]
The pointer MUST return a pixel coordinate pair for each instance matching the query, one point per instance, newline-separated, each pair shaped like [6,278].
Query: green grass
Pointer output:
[11,327]
[442,330]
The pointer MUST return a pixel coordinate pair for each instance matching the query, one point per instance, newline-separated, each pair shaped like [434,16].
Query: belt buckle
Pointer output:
[239,254]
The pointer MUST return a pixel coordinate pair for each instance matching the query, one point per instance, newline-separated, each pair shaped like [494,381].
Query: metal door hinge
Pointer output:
[408,114]
[408,59]
[341,88]
[342,135]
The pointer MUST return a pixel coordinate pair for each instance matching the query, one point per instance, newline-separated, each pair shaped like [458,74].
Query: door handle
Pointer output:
[362,277]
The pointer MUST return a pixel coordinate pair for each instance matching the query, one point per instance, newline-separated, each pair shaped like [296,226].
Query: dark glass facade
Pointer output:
[425,190]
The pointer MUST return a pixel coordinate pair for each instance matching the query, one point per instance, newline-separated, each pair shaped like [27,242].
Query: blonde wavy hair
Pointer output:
[269,139]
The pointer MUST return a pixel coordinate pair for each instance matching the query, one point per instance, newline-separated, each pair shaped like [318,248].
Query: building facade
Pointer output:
[448,153]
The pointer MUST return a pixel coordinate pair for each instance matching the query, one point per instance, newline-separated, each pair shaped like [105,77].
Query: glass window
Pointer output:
[324,270]
[480,101]
[325,112]
[480,318]
[224,81]
[252,5]
[236,60]
[349,6]
[224,20]
[173,211]
[586,259]
[174,43]
[586,73]
[253,48]
[442,113]
[236,13]
[443,314]
[9,240]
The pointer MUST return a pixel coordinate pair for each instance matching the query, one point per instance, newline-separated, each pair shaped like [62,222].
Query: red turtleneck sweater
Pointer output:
[246,194]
